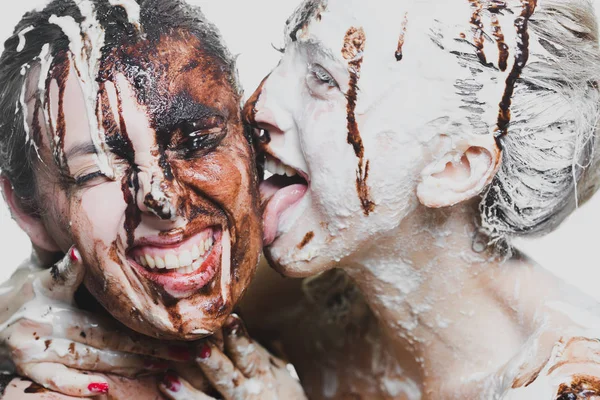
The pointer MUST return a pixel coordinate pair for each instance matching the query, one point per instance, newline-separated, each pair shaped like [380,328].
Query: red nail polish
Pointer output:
[171,382]
[205,352]
[101,388]
[180,353]
[74,254]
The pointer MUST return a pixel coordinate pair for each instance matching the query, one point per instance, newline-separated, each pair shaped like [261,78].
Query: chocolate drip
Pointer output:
[478,35]
[354,45]
[502,46]
[521,58]
[59,73]
[399,55]
[133,215]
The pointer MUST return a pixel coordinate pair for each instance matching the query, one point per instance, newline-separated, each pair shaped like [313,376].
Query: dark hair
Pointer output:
[157,18]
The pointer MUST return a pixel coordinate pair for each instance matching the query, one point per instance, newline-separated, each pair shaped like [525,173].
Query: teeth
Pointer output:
[185,259]
[290,172]
[195,252]
[276,167]
[150,261]
[184,262]
[171,261]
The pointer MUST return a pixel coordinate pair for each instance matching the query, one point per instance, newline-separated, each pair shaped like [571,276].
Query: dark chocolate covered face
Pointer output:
[162,204]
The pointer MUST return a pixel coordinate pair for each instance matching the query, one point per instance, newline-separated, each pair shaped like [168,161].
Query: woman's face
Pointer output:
[162,203]
[365,97]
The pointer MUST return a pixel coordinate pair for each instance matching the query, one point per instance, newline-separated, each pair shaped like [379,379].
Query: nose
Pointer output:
[157,195]
[260,116]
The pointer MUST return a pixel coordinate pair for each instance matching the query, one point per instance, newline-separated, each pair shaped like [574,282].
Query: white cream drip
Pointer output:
[85,42]
[22,40]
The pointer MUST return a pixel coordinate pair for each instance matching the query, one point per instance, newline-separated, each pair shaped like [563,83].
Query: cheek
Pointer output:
[224,176]
[98,213]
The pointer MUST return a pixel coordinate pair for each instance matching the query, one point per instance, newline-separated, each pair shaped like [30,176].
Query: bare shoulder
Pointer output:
[571,372]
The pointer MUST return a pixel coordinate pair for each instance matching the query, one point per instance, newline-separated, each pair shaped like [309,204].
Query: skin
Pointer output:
[179,139]
[205,187]
[407,233]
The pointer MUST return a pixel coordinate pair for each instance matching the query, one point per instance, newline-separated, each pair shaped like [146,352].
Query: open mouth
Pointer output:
[279,194]
[181,268]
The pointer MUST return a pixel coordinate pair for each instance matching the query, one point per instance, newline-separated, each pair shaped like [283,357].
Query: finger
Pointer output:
[62,280]
[247,356]
[83,357]
[103,334]
[193,375]
[176,388]
[58,378]
[219,370]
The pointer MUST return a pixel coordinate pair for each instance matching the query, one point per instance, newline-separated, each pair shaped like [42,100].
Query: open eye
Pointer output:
[202,135]
[319,81]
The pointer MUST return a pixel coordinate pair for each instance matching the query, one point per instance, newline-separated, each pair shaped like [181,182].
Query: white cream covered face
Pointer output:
[163,206]
[371,106]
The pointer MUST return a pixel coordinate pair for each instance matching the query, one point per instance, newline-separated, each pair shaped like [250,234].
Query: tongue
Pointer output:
[281,200]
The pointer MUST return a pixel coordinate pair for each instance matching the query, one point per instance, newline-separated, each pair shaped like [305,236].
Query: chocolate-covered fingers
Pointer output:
[247,355]
[58,378]
[220,371]
[83,357]
[62,280]
[176,388]
[104,334]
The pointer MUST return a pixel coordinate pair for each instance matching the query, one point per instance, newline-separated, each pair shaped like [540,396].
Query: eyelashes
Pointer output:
[322,75]
[320,82]
[86,179]
[201,136]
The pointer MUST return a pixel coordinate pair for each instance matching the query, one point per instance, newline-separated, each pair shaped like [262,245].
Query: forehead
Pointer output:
[176,63]
[426,48]
[423,26]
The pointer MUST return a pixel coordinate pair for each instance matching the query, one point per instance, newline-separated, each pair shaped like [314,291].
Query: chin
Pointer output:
[167,301]
[286,257]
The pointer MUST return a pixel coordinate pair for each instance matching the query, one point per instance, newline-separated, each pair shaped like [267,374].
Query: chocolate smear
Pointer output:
[354,45]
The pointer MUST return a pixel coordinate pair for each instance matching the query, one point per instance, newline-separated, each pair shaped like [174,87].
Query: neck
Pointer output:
[443,300]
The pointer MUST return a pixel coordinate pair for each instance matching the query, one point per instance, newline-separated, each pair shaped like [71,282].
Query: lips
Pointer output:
[281,192]
[199,266]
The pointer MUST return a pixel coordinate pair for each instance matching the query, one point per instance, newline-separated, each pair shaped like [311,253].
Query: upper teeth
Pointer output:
[276,167]
[185,260]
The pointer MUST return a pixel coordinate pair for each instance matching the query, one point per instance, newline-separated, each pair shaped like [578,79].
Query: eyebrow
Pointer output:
[316,46]
[81,149]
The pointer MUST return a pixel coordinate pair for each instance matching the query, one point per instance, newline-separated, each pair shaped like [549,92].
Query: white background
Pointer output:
[250,29]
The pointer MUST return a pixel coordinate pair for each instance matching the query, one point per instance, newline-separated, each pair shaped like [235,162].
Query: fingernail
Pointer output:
[180,353]
[157,365]
[101,388]
[74,255]
[234,326]
[205,352]
[171,382]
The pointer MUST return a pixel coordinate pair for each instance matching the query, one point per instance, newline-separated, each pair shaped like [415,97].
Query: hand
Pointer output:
[242,370]
[52,342]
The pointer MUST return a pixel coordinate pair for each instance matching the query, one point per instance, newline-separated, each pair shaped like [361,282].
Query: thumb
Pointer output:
[62,280]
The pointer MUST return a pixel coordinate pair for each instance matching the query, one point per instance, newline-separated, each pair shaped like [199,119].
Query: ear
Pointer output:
[460,172]
[32,225]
